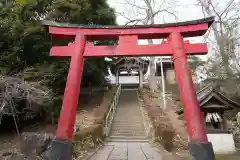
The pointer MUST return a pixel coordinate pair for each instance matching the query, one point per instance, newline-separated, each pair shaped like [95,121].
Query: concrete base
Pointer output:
[60,150]
[201,151]
[223,143]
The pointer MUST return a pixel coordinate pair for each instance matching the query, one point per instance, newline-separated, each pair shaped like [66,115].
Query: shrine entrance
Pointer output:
[129,71]
[127,37]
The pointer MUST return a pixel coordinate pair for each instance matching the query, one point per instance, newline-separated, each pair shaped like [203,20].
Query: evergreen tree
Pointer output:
[25,44]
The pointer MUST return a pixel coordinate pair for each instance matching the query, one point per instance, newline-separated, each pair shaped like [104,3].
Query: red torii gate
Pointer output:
[127,37]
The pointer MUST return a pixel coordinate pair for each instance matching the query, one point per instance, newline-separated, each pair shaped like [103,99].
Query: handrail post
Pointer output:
[112,110]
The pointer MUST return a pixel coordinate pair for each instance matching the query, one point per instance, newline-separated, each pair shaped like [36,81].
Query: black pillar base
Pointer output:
[201,151]
[60,150]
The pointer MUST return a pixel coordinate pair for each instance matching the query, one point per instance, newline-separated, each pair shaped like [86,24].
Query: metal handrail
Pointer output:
[111,112]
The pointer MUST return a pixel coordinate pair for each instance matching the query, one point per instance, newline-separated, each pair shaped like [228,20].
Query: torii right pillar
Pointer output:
[199,147]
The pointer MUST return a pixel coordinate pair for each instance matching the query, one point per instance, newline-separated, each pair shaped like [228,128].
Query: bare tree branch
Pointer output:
[134,5]
[224,30]
[129,20]
[132,21]
[165,10]
[228,6]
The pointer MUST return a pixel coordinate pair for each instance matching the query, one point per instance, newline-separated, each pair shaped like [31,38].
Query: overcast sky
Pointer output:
[184,9]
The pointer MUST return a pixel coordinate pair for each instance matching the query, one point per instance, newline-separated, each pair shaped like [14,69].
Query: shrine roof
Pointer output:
[121,60]
[211,91]
[208,20]
[133,63]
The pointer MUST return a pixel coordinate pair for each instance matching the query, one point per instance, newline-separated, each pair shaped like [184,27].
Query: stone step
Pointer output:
[125,125]
[129,87]
[127,129]
[125,119]
[127,111]
[126,104]
[122,130]
[127,139]
[127,134]
[126,115]
[130,134]
[129,121]
[134,114]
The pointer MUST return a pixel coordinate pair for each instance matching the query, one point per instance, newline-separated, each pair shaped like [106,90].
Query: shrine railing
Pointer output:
[111,112]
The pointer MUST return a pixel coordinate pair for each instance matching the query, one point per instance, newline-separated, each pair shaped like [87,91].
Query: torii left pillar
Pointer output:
[61,148]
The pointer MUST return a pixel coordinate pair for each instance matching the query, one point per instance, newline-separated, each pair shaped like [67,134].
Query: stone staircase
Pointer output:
[128,122]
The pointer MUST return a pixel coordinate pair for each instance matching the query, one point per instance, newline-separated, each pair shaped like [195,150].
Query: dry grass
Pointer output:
[165,130]
[91,121]
[23,100]
[8,144]
[91,135]
[14,90]
[90,118]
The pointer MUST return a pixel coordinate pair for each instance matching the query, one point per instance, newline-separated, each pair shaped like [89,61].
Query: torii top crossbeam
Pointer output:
[128,36]
[155,31]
